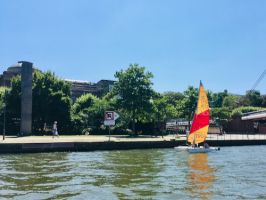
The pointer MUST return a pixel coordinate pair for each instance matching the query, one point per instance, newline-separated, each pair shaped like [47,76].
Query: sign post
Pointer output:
[109,119]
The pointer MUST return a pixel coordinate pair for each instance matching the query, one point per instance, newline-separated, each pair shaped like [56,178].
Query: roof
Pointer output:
[254,115]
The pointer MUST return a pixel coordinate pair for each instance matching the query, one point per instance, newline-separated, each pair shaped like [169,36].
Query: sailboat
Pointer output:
[200,126]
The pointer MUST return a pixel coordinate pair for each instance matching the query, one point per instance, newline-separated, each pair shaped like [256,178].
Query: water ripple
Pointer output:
[232,173]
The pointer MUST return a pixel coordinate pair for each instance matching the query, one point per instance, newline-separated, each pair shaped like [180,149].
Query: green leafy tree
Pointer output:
[238,112]
[13,107]
[162,110]
[263,101]
[3,94]
[96,114]
[2,97]
[187,106]
[50,102]
[88,113]
[223,113]
[217,99]
[83,102]
[221,116]
[252,98]
[134,91]
[231,101]
[173,98]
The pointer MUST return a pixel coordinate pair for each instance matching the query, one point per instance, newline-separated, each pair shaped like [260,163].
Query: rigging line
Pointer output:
[258,80]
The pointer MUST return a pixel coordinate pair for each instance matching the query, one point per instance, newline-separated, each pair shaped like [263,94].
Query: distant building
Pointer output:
[12,71]
[78,88]
[182,125]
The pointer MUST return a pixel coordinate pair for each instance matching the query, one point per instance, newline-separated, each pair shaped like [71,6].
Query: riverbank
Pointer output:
[36,144]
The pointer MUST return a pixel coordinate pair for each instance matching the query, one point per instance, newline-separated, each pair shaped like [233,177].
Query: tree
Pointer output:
[231,101]
[83,102]
[217,99]
[13,106]
[88,113]
[238,112]
[162,110]
[3,95]
[134,92]
[221,117]
[173,97]
[187,106]
[253,98]
[263,100]
[50,102]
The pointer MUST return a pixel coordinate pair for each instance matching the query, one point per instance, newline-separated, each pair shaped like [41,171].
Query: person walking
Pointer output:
[55,132]
[44,128]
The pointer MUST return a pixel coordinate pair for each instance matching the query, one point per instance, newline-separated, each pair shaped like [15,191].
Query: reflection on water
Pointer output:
[136,174]
[200,176]
[31,173]
[132,170]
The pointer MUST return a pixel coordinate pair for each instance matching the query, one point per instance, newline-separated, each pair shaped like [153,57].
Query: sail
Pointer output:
[200,124]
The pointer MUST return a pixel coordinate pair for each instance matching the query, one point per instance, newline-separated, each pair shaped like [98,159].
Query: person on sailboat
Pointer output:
[206,145]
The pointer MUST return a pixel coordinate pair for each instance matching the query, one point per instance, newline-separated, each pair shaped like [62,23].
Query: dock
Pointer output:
[39,144]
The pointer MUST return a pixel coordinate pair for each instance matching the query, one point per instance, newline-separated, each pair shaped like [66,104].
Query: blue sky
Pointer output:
[222,42]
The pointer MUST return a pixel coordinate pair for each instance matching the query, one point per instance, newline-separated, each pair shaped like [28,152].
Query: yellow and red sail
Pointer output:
[200,124]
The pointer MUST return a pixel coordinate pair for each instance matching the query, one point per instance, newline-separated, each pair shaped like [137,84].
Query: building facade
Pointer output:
[77,88]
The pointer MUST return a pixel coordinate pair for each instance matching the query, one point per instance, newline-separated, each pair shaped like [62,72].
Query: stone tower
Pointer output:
[26,98]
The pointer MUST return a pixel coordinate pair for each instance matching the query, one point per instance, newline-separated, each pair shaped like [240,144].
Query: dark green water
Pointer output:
[232,173]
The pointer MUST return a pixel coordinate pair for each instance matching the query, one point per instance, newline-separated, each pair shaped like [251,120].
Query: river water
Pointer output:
[232,173]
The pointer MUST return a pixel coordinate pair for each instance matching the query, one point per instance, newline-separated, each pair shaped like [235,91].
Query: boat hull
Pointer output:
[201,149]
[181,148]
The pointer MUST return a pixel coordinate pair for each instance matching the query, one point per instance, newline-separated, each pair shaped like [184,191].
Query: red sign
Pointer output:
[109,115]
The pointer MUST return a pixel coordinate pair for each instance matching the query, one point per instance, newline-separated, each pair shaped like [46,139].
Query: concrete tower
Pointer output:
[26,98]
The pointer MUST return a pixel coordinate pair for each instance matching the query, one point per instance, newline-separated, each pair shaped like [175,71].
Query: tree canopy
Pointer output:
[132,96]
[50,102]
[134,92]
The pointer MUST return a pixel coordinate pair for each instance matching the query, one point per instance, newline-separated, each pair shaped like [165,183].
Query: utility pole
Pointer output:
[4,125]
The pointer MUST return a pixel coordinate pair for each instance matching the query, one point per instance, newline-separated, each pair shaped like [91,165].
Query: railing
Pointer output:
[237,137]
[228,137]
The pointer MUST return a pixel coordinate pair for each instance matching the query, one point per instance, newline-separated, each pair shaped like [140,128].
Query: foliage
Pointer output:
[231,101]
[220,113]
[138,105]
[218,98]
[162,110]
[88,113]
[252,98]
[83,102]
[173,98]
[3,93]
[238,112]
[187,106]
[50,102]
[134,92]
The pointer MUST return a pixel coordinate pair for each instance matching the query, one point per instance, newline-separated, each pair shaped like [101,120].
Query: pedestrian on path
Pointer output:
[55,132]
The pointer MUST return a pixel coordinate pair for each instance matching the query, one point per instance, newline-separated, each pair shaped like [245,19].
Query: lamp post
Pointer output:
[4,125]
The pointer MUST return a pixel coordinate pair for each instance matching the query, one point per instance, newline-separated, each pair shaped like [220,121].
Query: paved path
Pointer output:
[80,138]
[116,138]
